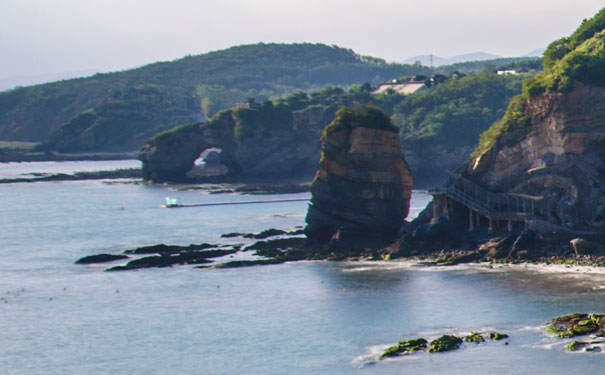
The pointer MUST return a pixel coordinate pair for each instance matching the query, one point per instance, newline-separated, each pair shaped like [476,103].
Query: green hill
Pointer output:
[119,110]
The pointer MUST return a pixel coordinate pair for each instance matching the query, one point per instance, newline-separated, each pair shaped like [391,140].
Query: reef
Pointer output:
[579,324]
[100,258]
[442,344]
[407,346]
[162,255]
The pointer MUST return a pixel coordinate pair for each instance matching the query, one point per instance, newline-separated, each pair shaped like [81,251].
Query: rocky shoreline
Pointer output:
[19,155]
[128,173]
[275,246]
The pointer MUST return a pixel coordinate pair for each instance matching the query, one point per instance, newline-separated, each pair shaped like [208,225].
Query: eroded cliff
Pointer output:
[559,157]
[535,185]
[361,193]
[261,143]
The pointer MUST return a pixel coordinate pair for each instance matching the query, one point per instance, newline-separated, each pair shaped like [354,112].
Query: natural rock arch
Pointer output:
[170,155]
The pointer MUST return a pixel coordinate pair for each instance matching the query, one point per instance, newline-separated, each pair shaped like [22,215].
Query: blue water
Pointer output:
[295,318]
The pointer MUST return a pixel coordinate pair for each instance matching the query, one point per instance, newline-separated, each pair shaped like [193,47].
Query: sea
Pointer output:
[308,317]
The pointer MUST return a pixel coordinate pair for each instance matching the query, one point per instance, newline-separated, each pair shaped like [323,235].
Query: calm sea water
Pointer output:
[294,318]
[33,169]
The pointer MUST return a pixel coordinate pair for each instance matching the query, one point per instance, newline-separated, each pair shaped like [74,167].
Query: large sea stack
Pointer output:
[361,193]
[537,178]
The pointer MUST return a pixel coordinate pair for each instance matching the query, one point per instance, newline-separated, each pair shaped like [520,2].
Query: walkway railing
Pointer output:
[496,206]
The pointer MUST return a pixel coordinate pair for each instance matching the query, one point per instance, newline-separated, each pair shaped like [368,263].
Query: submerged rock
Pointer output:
[475,337]
[361,193]
[407,346]
[248,263]
[576,345]
[265,234]
[169,249]
[497,336]
[100,258]
[577,324]
[445,343]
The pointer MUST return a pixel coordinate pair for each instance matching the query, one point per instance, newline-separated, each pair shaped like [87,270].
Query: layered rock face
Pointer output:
[561,158]
[551,141]
[361,193]
[171,155]
[254,144]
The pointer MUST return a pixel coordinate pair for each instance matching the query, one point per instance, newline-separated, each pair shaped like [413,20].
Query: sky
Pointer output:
[53,36]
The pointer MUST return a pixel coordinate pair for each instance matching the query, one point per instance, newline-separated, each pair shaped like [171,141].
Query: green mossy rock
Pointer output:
[577,324]
[576,345]
[497,336]
[445,343]
[474,337]
[407,346]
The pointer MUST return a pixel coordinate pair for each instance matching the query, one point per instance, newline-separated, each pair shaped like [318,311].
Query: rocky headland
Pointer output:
[533,188]
[258,143]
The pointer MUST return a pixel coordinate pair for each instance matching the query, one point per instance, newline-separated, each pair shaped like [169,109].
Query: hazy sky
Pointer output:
[47,36]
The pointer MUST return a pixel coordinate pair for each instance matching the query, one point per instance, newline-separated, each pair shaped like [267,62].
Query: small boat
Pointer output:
[171,203]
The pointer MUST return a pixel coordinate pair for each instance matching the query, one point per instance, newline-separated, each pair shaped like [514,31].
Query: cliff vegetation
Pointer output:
[577,58]
[195,87]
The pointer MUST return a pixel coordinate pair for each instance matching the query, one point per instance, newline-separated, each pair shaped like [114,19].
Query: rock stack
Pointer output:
[361,193]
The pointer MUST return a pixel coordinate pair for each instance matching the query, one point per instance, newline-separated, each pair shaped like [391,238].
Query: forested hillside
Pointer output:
[440,127]
[187,89]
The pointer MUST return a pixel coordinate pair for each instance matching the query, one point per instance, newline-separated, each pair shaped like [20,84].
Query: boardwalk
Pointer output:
[493,206]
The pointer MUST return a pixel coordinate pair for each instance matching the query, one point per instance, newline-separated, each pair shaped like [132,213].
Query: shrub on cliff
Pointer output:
[579,57]
[367,115]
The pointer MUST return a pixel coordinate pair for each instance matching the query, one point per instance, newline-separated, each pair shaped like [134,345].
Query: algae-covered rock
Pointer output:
[407,346]
[445,343]
[577,324]
[497,336]
[474,337]
[576,345]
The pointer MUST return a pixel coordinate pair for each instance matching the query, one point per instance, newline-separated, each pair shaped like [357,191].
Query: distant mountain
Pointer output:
[425,60]
[536,53]
[7,83]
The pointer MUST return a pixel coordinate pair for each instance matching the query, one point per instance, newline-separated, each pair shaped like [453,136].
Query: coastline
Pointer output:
[16,155]
[430,264]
